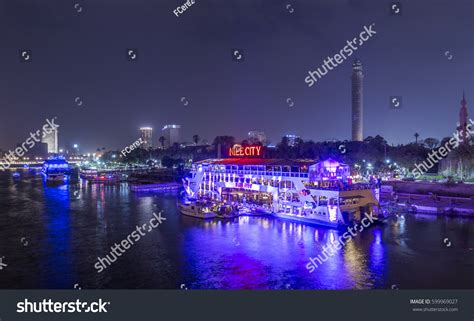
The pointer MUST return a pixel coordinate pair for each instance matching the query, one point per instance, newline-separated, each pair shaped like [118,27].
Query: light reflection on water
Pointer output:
[66,234]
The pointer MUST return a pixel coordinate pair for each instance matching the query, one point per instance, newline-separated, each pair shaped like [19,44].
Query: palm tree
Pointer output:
[162,140]
[196,139]
[416,138]
[431,143]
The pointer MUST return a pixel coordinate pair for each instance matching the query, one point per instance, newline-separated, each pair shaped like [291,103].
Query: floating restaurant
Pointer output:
[319,192]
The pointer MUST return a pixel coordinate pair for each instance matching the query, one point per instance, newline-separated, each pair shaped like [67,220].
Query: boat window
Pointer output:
[295,169]
[277,169]
[323,200]
[269,169]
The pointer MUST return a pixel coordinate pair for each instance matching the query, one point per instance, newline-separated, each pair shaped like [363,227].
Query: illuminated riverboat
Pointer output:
[304,190]
[56,169]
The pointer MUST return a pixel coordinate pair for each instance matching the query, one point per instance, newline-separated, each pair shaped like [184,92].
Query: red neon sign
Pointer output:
[240,151]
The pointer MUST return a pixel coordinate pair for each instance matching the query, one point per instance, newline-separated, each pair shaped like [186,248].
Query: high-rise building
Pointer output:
[464,133]
[256,136]
[51,140]
[357,101]
[171,134]
[146,134]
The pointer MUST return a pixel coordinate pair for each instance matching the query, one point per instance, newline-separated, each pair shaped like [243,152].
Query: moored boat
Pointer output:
[56,169]
[308,191]
[154,187]
[195,209]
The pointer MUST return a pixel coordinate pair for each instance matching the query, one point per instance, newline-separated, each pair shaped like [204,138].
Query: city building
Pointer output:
[463,122]
[51,140]
[357,101]
[146,134]
[454,164]
[257,137]
[171,135]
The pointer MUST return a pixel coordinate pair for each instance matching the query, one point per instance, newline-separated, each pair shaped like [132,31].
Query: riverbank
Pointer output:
[462,190]
[431,204]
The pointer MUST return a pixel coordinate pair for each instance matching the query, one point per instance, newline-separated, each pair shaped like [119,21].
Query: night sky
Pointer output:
[83,54]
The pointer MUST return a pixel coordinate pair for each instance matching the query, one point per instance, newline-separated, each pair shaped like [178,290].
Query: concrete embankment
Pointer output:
[440,189]
[431,204]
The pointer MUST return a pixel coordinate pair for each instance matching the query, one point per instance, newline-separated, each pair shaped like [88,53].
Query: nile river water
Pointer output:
[51,237]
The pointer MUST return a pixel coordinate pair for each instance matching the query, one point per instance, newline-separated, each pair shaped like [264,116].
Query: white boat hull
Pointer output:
[308,220]
[195,210]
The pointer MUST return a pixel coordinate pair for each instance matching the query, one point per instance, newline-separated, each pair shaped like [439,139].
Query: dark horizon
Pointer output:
[83,54]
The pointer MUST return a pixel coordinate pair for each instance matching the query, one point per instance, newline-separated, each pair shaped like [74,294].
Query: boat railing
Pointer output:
[263,173]
[353,187]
